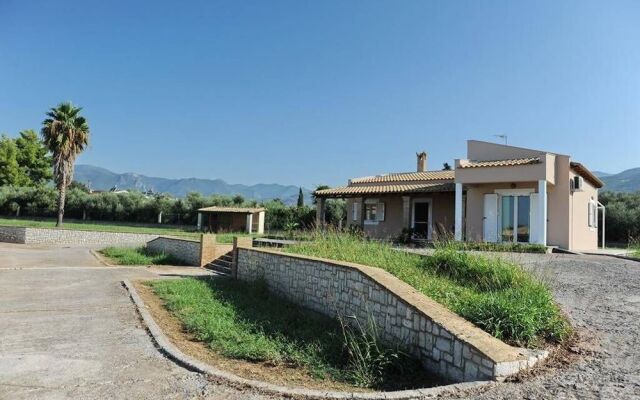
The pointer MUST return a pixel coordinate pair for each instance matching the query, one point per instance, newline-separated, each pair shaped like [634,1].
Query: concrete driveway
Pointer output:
[69,330]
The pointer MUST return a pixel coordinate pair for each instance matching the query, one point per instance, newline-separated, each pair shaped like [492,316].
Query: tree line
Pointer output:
[41,202]
[622,217]
[31,165]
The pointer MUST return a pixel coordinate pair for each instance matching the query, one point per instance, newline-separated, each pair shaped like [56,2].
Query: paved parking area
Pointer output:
[69,330]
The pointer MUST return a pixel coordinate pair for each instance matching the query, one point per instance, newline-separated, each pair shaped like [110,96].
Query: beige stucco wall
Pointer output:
[558,216]
[583,237]
[442,214]
[475,205]
[483,151]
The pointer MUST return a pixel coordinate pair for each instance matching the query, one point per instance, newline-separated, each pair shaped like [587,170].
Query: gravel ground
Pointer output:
[73,333]
[601,295]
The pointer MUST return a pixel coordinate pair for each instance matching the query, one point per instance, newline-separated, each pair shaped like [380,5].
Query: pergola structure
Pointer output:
[231,219]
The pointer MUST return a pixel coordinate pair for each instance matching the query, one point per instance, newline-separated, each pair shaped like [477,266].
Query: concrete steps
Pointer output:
[222,264]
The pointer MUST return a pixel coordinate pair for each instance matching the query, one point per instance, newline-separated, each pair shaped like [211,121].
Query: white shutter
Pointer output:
[380,212]
[490,222]
[355,211]
[591,214]
[534,219]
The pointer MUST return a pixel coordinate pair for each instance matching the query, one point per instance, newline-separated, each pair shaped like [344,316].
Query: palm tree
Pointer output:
[66,134]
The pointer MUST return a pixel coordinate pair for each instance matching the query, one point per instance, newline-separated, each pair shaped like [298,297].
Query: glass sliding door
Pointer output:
[507,219]
[515,218]
[523,218]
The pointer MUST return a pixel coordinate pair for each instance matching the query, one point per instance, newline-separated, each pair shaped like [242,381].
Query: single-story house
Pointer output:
[499,193]
[231,219]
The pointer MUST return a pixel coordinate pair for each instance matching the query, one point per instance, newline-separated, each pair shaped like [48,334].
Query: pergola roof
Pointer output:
[349,191]
[498,163]
[238,210]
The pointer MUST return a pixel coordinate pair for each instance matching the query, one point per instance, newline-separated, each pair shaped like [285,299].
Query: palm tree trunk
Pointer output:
[62,194]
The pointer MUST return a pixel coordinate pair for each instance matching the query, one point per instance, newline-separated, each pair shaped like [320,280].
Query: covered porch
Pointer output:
[231,219]
[385,211]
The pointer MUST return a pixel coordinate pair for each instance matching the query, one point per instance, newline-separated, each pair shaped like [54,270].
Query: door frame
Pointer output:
[421,200]
[515,193]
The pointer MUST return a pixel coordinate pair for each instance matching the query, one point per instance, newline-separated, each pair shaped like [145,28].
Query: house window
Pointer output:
[370,212]
[354,211]
[373,211]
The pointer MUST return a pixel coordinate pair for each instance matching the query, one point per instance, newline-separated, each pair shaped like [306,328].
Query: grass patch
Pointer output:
[495,247]
[139,256]
[497,296]
[245,321]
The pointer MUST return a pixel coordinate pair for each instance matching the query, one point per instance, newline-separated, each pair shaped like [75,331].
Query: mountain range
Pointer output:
[625,181]
[98,178]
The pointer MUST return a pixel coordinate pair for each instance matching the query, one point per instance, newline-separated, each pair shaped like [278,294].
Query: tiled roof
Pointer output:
[407,177]
[247,210]
[499,163]
[386,189]
[586,174]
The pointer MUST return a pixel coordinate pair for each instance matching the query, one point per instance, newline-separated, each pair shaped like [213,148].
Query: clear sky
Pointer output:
[301,92]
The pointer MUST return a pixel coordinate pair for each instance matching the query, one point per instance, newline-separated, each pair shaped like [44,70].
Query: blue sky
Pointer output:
[301,92]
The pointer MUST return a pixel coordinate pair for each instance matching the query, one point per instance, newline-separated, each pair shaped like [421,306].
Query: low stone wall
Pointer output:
[23,235]
[11,234]
[183,249]
[193,252]
[446,344]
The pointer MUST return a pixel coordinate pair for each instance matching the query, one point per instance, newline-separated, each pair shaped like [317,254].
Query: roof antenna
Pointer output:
[503,137]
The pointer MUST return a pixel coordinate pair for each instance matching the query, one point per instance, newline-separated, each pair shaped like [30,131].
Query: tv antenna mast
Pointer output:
[503,137]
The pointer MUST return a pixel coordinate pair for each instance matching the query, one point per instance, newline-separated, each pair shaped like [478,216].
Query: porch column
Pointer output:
[406,212]
[249,223]
[320,211]
[458,213]
[199,221]
[261,222]
[542,212]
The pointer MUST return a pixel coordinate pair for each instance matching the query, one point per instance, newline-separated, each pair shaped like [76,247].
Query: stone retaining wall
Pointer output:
[446,344]
[183,249]
[193,252]
[23,235]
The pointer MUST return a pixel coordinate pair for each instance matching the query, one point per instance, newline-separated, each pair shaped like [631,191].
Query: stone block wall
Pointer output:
[11,234]
[183,249]
[192,252]
[446,344]
[71,237]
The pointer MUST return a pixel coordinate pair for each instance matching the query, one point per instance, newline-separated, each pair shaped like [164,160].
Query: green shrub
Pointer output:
[496,295]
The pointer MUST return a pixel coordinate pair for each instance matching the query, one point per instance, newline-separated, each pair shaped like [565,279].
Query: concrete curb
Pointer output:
[619,256]
[172,352]
[101,259]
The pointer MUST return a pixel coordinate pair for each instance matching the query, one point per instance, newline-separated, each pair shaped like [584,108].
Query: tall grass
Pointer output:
[496,295]
[245,321]
[139,256]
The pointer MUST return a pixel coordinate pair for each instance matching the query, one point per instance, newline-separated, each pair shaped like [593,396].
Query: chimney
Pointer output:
[422,161]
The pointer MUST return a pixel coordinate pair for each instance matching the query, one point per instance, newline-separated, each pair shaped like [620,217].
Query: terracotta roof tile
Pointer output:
[386,189]
[499,163]
[407,177]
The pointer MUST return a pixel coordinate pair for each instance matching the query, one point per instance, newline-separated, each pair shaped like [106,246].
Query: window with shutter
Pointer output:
[380,212]
[355,211]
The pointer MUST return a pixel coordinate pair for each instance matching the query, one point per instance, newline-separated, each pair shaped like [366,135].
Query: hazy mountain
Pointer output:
[103,179]
[625,181]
